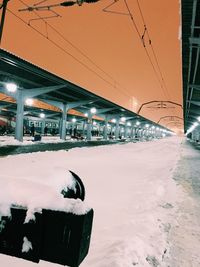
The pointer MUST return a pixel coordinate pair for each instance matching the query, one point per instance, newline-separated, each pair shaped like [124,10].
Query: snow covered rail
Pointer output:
[54,235]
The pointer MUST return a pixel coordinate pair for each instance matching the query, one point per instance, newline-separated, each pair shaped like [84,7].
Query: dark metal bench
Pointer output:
[54,236]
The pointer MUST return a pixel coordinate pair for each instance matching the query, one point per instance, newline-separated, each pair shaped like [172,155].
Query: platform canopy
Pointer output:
[190,61]
[50,88]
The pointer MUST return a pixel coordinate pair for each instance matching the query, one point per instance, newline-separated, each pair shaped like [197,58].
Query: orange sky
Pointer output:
[112,43]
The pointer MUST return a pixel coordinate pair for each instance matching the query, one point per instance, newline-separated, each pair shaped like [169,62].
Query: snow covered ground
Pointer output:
[131,189]
[28,140]
[185,234]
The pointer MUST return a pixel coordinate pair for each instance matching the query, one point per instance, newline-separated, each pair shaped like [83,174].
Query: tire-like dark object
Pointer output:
[79,191]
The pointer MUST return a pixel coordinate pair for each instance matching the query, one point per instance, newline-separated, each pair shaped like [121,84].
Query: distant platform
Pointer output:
[12,149]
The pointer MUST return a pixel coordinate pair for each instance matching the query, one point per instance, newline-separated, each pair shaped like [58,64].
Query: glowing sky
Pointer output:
[102,51]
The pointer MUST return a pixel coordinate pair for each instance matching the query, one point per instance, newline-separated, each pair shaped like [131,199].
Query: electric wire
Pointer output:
[69,42]
[61,48]
[142,41]
[81,52]
[152,48]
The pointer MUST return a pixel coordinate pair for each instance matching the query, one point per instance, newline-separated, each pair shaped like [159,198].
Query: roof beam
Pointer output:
[31,92]
[194,102]
[66,95]
[194,111]
[104,110]
[194,40]
[187,106]
[195,86]
[17,78]
[42,90]
[54,103]
[78,103]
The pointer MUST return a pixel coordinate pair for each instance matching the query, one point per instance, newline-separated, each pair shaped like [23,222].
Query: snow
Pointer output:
[26,245]
[28,140]
[38,189]
[129,186]
[185,235]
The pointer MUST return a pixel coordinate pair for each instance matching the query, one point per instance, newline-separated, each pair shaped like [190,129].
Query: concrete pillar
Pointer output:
[117,129]
[142,133]
[84,124]
[136,132]
[146,133]
[158,133]
[19,117]
[132,132]
[63,122]
[105,130]
[125,131]
[111,130]
[89,127]
[43,126]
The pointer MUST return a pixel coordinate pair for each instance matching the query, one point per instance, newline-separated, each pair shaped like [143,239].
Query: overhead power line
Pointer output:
[152,48]
[142,41]
[69,54]
[65,4]
[125,91]
[61,48]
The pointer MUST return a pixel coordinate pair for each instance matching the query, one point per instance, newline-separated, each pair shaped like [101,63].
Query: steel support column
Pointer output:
[63,122]
[117,129]
[132,131]
[19,117]
[89,127]
[43,126]
[125,131]
[105,130]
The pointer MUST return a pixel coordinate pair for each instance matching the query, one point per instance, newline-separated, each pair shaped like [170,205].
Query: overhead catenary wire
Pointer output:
[124,92]
[152,48]
[146,51]
[69,42]
[61,48]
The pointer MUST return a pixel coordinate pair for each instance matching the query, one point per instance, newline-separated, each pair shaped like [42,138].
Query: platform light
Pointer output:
[11,87]
[114,120]
[137,123]
[73,119]
[123,119]
[42,115]
[93,110]
[153,127]
[157,128]
[147,125]
[29,101]
[190,130]
[128,123]
[86,115]
[198,118]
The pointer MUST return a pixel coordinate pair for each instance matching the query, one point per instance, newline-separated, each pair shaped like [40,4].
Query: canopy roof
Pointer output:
[190,60]
[28,76]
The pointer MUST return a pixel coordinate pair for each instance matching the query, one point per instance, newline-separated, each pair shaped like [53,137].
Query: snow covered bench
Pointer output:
[60,234]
